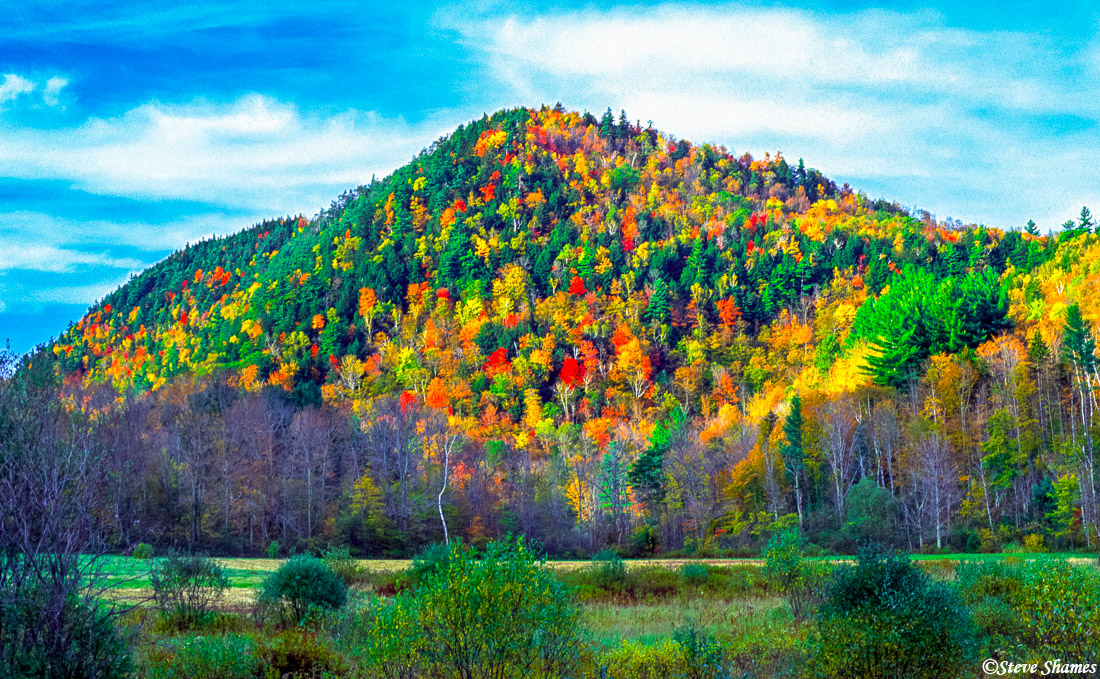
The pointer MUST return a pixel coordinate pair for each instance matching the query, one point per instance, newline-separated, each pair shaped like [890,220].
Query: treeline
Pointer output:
[982,449]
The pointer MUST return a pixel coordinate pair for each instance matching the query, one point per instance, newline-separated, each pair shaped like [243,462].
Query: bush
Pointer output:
[797,581]
[273,549]
[143,550]
[187,588]
[1035,544]
[609,571]
[48,632]
[302,584]
[224,657]
[704,657]
[694,574]
[1045,609]
[885,618]
[340,561]
[499,614]
[663,660]
[429,561]
[645,540]
[389,637]
[298,653]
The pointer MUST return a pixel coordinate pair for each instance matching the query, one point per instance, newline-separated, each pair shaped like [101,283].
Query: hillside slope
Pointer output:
[584,293]
[507,213]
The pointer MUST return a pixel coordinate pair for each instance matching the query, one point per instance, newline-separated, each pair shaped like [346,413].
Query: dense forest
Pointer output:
[589,332]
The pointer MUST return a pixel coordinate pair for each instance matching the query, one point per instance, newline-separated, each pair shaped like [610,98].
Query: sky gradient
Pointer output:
[125,134]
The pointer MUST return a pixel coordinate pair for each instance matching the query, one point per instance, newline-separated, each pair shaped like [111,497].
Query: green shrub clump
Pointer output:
[609,571]
[799,582]
[143,550]
[431,560]
[226,657]
[187,589]
[694,574]
[302,584]
[497,614]
[1036,609]
[885,618]
[340,561]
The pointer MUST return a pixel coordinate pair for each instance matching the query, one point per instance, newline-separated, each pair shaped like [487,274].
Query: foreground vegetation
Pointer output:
[503,612]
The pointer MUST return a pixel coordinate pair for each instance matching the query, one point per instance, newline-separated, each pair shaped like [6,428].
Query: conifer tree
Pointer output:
[793,455]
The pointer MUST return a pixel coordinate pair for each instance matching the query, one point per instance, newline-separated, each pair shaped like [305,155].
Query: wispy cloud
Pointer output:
[51,93]
[59,260]
[23,228]
[254,152]
[945,118]
[13,86]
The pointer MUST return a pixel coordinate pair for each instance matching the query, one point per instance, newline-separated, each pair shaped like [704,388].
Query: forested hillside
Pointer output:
[592,333]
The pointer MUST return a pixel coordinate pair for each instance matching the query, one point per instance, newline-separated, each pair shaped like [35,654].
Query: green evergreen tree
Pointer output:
[1078,344]
[1085,220]
[659,307]
[794,458]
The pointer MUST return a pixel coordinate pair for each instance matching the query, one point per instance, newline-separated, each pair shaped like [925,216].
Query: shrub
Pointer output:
[301,584]
[704,657]
[298,653]
[430,561]
[143,550]
[609,571]
[390,639]
[797,581]
[187,588]
[273,549]
[1059,610]
[1034,543]
[645,540]
[224,657]
[340,561]
[49,632]
[499,614]
[663,660]
[694,574]
[885,618]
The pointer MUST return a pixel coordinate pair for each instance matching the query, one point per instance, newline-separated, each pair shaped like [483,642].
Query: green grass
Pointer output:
[1072,556]
[127,573]
[124,572]
[611,624]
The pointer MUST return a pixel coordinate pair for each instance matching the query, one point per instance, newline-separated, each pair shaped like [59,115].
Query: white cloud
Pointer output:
[22,228]
[952,120]
[73,294]
[14,86]
[255,153]
[60,260]
[52,91]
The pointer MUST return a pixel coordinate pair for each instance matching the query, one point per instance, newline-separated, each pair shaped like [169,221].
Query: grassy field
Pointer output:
[648,617]
[129,579]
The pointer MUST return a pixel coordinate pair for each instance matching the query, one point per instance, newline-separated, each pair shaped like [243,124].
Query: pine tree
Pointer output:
[659,308]
[1085,220]
[793,456]
[1078,344]
[607,124]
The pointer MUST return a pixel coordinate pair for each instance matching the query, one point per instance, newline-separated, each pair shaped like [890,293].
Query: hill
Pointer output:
[592,332]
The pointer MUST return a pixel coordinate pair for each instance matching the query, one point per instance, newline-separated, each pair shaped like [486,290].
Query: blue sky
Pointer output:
[130,129]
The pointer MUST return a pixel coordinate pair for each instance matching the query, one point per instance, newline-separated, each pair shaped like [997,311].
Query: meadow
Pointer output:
[635,618]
